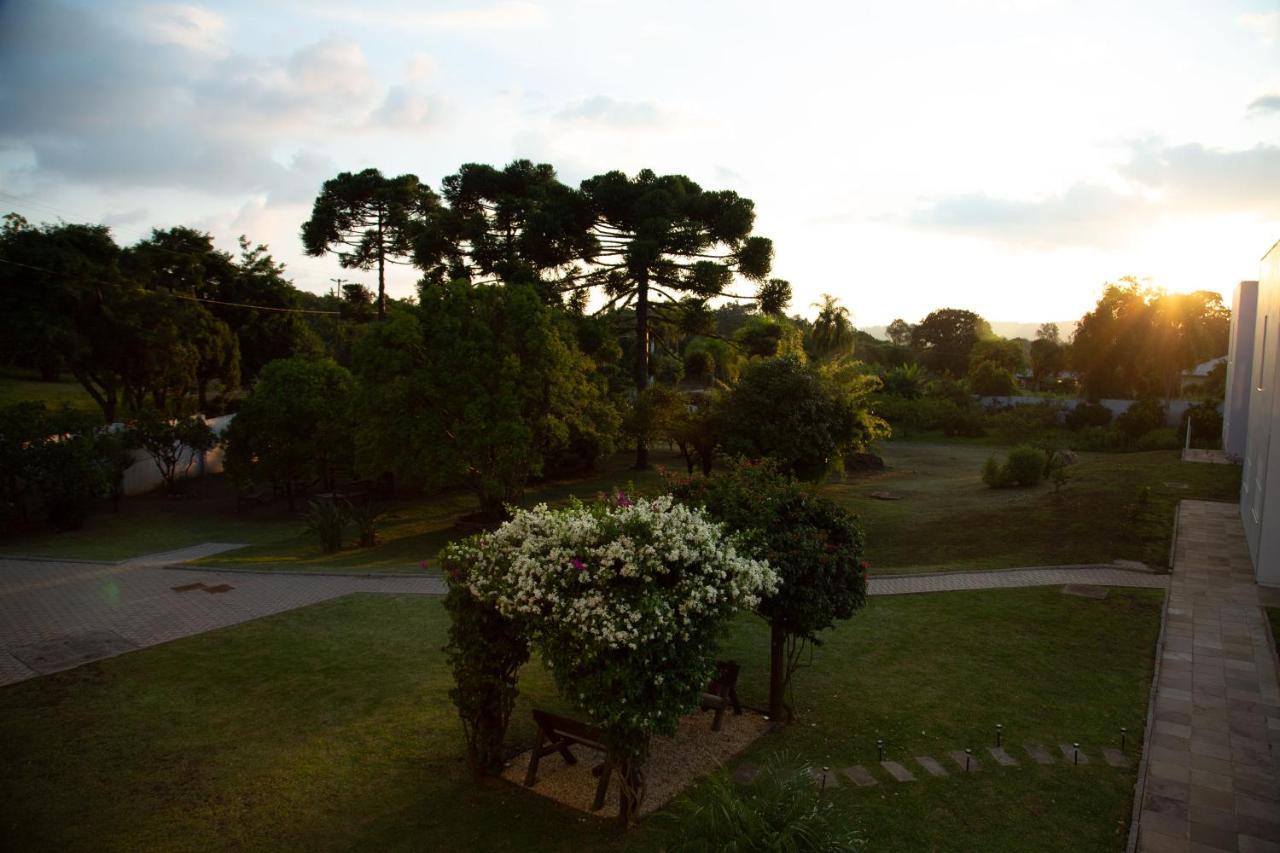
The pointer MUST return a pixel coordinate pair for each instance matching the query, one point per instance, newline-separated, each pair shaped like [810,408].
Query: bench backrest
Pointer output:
[575,730]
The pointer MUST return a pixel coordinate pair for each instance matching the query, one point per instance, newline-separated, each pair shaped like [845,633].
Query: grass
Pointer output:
[328,728]
[1100,515]
[412,529]
[18,385]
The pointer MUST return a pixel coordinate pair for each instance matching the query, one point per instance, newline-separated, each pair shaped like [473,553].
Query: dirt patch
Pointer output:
[674,764]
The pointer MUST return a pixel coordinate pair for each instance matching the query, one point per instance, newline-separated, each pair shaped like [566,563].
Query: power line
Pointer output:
[184,296]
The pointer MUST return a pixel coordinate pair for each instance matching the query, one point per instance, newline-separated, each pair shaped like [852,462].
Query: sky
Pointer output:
[1004,156]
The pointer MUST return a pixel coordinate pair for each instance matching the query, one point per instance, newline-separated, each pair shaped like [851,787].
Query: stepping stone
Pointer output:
[745,773]
[1002,758]
[222,587]
[934,768]
[958,756]
[1038,753]
[1068,753]
[1085,590]
[187,587]
[859,776]
[897,771]
[886,496]
[1115,757]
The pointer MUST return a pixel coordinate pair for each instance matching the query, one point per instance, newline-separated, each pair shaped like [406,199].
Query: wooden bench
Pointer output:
[722,692]
[557,734]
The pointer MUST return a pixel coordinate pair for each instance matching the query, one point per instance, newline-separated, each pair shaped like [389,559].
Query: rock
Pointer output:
[886,496]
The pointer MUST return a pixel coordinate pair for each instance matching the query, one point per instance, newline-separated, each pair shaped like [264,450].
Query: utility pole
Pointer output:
[336,293]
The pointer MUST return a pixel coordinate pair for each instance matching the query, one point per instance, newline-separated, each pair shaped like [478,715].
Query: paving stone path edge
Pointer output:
[1140,786]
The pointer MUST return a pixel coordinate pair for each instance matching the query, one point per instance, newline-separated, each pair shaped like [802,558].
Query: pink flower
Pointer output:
[622,499]
[425,564]
[578,564]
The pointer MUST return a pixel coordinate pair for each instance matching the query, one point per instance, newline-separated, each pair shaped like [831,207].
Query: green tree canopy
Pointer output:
[369,221]
[295,428]
[661,238]
[832,333]
[483,385]
[945,338]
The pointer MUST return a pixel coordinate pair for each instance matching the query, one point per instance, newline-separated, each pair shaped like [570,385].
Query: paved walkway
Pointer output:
[59,615]
[1213,771]
[1047,576]
[56,616]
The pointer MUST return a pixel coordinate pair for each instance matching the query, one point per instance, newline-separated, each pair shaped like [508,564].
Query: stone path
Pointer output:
[56,615]
[1212,773]
[1047,576]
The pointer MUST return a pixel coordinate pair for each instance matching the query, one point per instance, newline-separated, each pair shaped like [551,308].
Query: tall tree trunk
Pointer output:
[382,272]
[777,672]
[641,366]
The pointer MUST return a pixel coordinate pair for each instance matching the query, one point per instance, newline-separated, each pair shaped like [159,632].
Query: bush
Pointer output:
[1206,426]
[1086,415]
[989,379]
[1141,418]
[1164,438]
[699,364]
[926,414]
[780,809]
[1096,438]
[327,519]
[1025,466]
[966,421]
[365,516]
[1023,423]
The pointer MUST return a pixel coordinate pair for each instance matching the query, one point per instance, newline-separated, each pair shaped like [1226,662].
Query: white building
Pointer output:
[1235,411]
[1260,485]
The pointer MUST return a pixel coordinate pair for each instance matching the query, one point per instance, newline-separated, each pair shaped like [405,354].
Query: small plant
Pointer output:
[780,809]
[1058,471]
[365,516]
[1025,466]
[991,472]
[327,519]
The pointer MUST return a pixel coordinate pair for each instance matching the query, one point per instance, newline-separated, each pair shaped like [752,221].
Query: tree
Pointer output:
[481,385]
[832,335]
[658,238]
[1048,357]
[899,331]
[368,221]
[946,337]
[295,427]
[793,413]
[763,336]
[813,544]
[171,442]
[990,379]
[518,224]
[1004,353]
[1049,332]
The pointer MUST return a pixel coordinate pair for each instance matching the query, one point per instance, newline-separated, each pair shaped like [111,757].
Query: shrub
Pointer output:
[1096,438]
[1023,423]
[966,421]
[1164,438]
[905,381]
[1025,465]
[780,809]
[1086,415]
[174,444]
[991,380]
[1141,418]
[699,364]
[1205,423]
[327,519]
[925,414]
[365,515]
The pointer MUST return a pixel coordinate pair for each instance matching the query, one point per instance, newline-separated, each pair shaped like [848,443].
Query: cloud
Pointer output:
[1156,181]
[1264,24]
[508,15]
[603,110]
[159,101]
[1265,104]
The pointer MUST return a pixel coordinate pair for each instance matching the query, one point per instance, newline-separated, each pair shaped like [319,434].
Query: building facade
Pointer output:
[1235,410]
[1260,485]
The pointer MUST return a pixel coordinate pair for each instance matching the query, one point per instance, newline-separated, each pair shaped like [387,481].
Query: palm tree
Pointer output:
[832,334]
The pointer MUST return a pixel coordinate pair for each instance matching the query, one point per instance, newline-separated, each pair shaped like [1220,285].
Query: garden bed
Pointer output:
[674,764]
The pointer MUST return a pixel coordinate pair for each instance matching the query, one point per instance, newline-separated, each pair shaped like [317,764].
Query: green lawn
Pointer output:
[328,728]
[948,519]
[412,530]
[20,386]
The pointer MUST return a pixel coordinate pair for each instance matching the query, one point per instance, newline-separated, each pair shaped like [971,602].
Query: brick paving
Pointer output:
[1212,773]
[56,615]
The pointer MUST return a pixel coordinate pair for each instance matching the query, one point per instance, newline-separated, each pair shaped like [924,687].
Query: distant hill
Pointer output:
[1003,329]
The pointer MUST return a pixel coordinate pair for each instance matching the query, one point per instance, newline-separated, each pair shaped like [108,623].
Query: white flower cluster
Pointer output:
[613,578]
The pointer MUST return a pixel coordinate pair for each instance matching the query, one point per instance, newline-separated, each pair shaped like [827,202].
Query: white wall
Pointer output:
[1260,484]
[143,476]
[1235,411]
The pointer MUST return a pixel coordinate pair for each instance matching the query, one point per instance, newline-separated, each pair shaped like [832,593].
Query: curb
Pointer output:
[1173,540]
[1140,787]
[23,559]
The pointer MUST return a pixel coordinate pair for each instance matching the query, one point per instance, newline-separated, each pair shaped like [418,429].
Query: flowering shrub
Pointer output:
[623,599]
